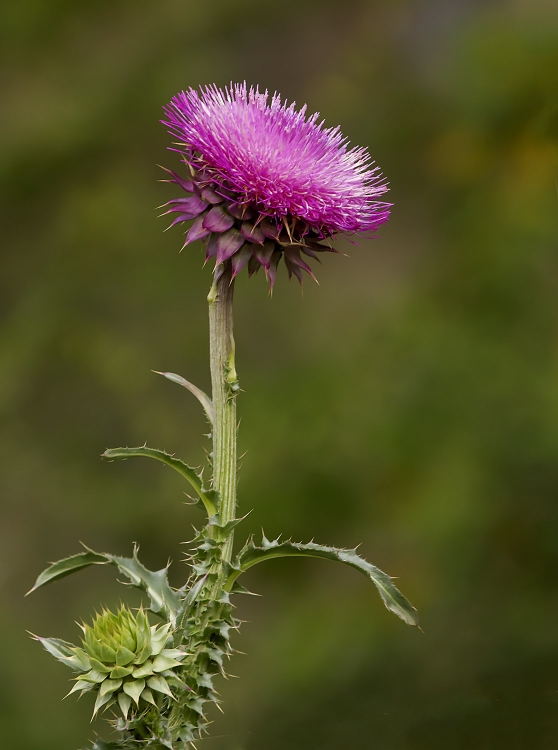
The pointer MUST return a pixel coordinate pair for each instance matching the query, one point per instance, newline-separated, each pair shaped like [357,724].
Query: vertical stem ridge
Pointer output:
[224,386]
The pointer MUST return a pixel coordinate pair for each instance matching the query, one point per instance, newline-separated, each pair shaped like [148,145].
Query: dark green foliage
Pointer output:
[199,620]
[206,626]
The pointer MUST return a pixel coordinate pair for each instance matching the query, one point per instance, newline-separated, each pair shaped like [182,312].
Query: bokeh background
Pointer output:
[409,403]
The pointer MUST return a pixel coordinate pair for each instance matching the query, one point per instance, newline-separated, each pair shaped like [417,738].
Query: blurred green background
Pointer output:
[409,403]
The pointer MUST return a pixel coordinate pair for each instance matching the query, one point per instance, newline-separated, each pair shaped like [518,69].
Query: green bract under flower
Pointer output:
[123,659]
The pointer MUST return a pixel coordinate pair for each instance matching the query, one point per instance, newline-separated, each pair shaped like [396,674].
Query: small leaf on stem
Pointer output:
[202,397]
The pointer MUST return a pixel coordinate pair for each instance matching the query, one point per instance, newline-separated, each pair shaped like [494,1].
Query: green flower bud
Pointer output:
[123,659]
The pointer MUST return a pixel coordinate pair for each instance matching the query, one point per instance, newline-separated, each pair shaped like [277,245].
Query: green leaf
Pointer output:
[173,653]
[102,700]
[164,600]
[102,745]
[162,663]
[145,670]
[82,686]
[159,684]
[134,689]
[124,701]
[109,686]
[124,656]
[159,638]
[221,531]
[66,566]
[202,397]
[147,695]
[207,497]
[391,596]
[61,650]
[83,658]
[119,672]
[98,666]
[94,676]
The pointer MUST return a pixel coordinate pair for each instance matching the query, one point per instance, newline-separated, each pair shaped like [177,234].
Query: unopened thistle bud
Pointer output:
[123,659]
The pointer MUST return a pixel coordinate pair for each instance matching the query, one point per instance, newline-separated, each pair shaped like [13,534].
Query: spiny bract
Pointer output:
[124,660]
[266,181]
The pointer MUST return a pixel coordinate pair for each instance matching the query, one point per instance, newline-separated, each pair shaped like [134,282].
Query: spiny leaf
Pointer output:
[206,496]
[82,686]
[202,397]
[238,588]
[391,596]
[221,531]
[68,565]
[160,685]
[101,701]
[124,701]
[134,689]
[164,600]
[61,650]
[193,593]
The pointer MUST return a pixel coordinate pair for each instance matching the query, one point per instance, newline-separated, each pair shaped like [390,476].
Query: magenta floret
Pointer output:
[273,172]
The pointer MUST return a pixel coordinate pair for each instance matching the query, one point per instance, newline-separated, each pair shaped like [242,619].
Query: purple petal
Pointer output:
[292,268]
[292,254]
[321,248]
[200,175]
[211,249]
[209,195]
[197,230]
[308,251]
[192,206]
[271,272]
[186,185]
[264,252]
[240,259]
[178,220]
[253,266]
[240,212]
[227,192]
[218,220]
[228,243]
[252,233]
[269,229]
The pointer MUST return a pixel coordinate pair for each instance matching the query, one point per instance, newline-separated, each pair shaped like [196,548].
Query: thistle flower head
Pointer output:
[122,658]
[266,181]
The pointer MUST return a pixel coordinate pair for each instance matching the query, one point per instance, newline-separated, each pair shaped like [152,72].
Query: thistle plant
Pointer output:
[263,183]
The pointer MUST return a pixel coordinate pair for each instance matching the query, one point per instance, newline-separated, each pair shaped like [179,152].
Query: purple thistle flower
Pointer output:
[267,182]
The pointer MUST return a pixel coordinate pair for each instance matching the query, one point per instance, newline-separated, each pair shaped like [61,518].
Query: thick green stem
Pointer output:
[224,385]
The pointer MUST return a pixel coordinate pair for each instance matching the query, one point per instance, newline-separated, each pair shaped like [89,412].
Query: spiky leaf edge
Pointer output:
[209,498]
[391,596]
[164,600]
